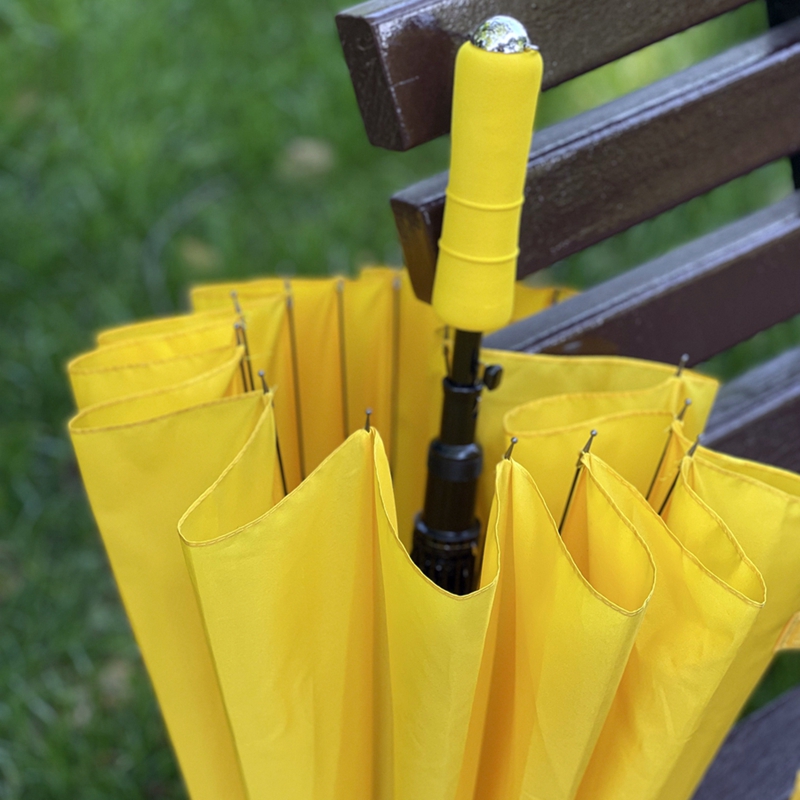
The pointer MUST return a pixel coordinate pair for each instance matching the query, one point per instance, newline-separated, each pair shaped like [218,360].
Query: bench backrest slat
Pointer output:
[401,52]
[603,171]
[757,416]
[700,299]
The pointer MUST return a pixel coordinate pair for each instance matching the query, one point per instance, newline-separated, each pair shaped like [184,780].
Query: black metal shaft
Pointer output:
[446,532]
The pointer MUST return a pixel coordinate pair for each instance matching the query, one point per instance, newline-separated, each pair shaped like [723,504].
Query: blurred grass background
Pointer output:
[147,146]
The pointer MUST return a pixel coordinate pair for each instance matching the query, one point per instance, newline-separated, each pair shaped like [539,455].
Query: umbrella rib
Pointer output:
[343,357]
[295,376]
[578,470]
[237,331]
[686,403]
[677,475]
[265,387]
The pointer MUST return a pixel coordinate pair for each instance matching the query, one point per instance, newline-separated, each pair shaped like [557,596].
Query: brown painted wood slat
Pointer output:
[760,757]
[701,298]
[401,52]
[757,416]
[603,171]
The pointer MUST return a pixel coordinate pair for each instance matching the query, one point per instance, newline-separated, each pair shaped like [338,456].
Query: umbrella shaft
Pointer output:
[446,532]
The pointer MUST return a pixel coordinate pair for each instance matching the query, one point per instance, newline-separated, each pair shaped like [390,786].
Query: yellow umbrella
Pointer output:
[306,618]
[260,538]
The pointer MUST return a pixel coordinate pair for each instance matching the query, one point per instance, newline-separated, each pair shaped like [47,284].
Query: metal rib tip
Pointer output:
[235,297]
[367,426]
[586,448]
[682,365]
[502,34]
[694,447]
[264,385]
[510,450]
[686,403]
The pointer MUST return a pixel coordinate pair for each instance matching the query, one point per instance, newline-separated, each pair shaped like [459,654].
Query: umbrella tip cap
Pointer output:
[367,425]
[501,34]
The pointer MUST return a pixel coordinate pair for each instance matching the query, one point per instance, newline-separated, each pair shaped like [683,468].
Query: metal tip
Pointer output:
[367,426]
[501,34]
[586,448]
[507,456]
[694,447]
[264,385]
[686,403]
[682,364]
[236,306]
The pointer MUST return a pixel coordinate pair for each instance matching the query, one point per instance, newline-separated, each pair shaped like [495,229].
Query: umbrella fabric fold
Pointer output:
[707,597]
[150,356]
[143,462]
[344,671]
[297,651]
[761,505]
[565,625]
[552,403]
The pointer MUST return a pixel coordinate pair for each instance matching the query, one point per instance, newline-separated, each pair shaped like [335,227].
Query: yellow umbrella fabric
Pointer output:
[295,649]
[761,506]
[707,597]
[143,461]
[553,617]
[333,671]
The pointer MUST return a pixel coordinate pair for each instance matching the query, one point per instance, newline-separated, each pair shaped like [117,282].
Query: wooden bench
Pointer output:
[604,171]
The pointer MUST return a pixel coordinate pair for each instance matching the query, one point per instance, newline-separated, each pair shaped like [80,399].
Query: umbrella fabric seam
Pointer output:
[107,338]
[584,581]
[144,364]
[769,488]
[729,534]
[91,409]
[532,434]
[122,344]
[603,395]
[627,523]
[294,493]
[655,366]
[687,552]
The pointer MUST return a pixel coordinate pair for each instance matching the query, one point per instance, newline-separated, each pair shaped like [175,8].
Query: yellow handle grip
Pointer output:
[494,105]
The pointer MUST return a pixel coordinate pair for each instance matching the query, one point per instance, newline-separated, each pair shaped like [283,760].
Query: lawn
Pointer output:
[144,147]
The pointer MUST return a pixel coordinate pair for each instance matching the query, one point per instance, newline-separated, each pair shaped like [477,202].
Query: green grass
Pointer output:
[144,147]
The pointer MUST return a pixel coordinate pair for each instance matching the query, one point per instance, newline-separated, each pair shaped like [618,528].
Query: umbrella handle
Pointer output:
[497,81]
[498,76]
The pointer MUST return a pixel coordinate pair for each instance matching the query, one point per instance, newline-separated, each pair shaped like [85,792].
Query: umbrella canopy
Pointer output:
[296,650]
